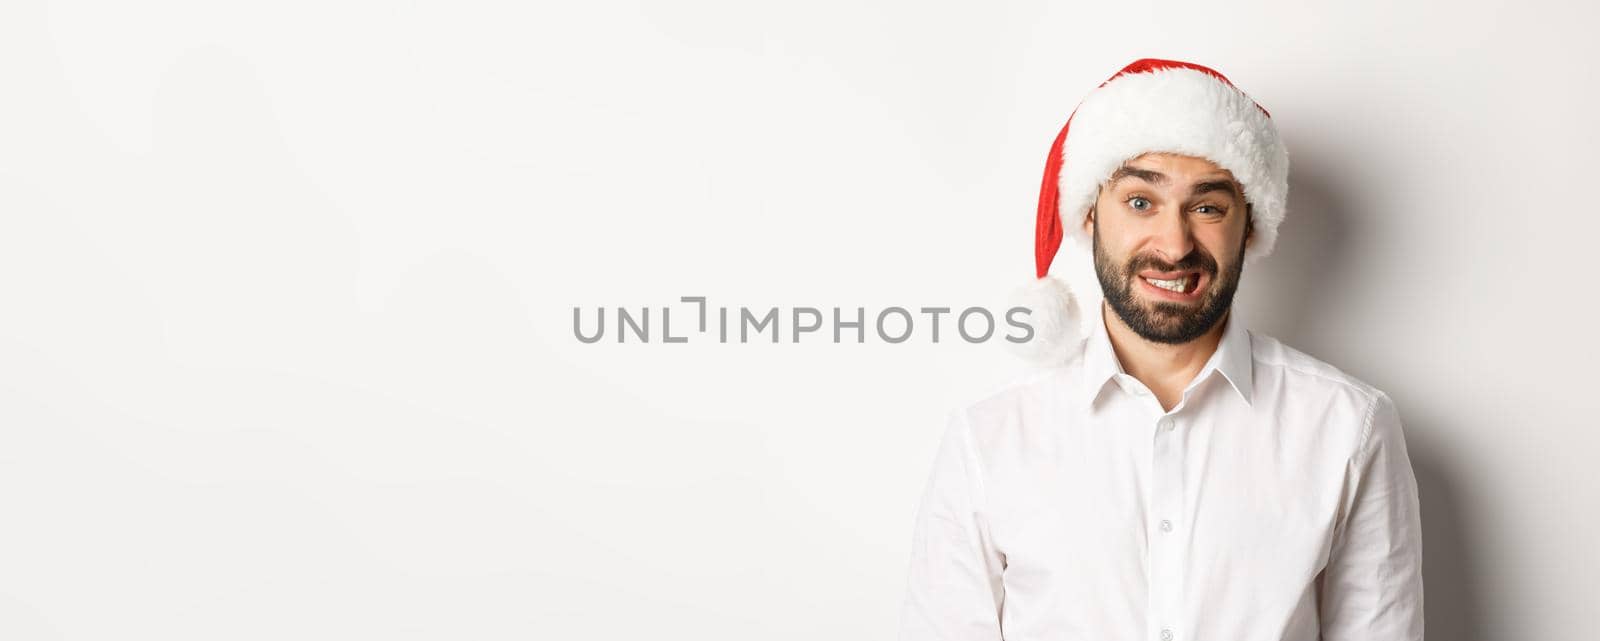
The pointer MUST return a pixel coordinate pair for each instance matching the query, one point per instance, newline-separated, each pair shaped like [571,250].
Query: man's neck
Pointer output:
[1165,369]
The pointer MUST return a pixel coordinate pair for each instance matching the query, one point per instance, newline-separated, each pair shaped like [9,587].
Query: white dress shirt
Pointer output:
[1275,502]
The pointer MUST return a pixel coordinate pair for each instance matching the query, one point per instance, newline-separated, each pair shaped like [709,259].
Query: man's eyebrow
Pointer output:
[1149,176]
[1157,178]
[1215,185]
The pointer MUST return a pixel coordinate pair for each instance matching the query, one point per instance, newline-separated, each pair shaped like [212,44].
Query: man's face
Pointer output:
[1180,221]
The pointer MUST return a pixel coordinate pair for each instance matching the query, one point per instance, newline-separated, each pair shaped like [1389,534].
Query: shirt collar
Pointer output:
[1232,357]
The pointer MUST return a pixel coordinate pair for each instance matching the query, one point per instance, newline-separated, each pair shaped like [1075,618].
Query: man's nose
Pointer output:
[1172,236]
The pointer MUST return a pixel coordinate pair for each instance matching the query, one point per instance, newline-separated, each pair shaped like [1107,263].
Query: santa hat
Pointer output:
[1149,106]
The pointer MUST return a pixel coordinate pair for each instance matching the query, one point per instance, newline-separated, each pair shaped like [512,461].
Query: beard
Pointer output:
[1165,321]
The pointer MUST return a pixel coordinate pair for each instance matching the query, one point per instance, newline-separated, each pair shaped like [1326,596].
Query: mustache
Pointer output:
[1195,261]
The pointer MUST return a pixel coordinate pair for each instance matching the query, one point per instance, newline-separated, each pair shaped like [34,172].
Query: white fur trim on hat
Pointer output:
[1055,319]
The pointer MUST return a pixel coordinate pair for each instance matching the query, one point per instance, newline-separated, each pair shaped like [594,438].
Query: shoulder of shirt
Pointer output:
[1367,401]
[1268,351]
[1028,388]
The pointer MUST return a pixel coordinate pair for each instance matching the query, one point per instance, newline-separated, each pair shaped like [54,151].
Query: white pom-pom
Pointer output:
[1056,318]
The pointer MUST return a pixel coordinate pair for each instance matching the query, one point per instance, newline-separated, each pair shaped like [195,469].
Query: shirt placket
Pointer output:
[1164,528]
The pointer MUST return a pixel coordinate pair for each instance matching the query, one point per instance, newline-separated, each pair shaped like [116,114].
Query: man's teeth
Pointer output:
[1175,285]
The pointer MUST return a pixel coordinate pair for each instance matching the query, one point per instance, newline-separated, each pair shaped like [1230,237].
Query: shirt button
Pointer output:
[1166,424]
[1166,634]
[1166,526]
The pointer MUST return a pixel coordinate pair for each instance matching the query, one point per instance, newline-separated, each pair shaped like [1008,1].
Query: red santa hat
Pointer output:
[1151,105]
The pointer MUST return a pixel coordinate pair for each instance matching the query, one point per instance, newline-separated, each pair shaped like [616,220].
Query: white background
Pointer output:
[286,291]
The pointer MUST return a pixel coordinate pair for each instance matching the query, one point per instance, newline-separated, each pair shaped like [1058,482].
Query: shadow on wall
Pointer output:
[1450,584]
[1314,247]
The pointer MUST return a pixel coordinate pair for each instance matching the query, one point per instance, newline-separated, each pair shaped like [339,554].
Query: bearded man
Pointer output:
[1170,474]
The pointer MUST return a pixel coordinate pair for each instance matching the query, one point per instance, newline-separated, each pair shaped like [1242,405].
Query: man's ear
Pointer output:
[1088,221]
[1249,225]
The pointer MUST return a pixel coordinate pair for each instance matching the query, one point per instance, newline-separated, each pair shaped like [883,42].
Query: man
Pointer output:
[1172,475]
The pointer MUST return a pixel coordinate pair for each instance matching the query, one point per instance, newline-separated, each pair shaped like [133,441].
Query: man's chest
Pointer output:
[1132,498]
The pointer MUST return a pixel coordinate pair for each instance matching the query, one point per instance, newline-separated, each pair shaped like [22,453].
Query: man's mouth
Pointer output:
[1177,285]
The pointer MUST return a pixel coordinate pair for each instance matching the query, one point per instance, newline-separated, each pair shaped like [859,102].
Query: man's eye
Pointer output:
[1214,210]
[1139,203]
